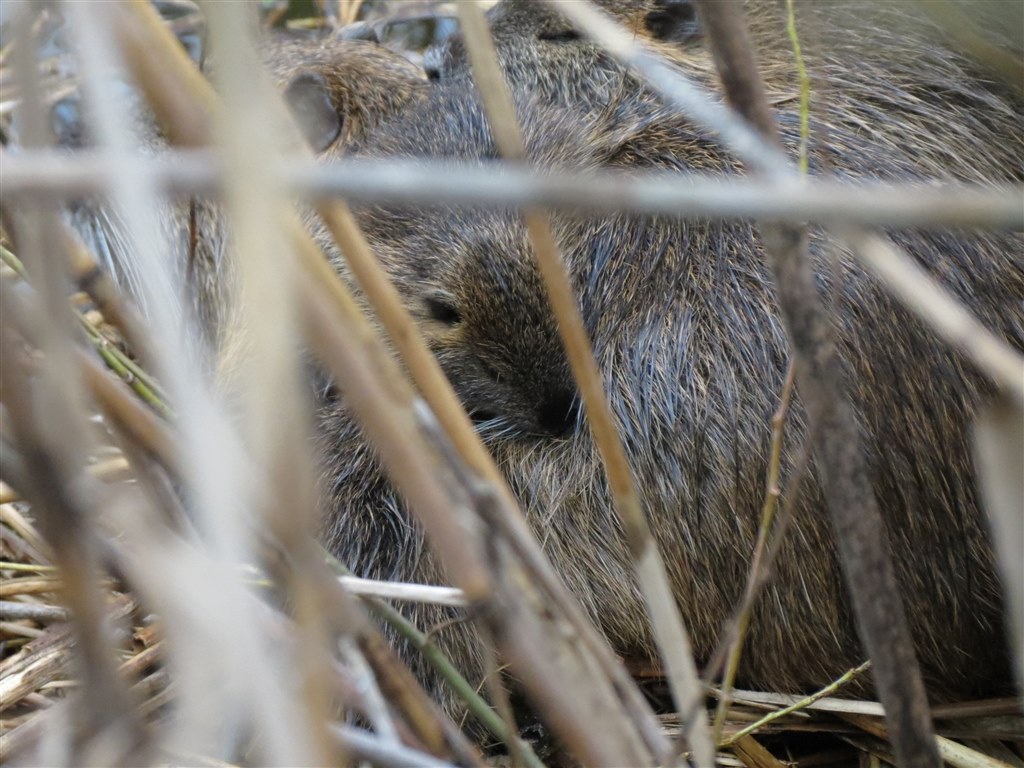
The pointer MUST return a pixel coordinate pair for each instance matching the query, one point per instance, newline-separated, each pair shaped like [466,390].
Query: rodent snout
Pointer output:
[557,416]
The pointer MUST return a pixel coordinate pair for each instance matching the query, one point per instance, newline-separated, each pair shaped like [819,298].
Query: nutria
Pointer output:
[686,331]
[540,51]
[338,90]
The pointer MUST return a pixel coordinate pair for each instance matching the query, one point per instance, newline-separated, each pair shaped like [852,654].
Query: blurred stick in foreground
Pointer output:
[526,638]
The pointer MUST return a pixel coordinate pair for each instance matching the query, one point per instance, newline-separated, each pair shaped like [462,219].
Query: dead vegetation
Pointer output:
[163,597]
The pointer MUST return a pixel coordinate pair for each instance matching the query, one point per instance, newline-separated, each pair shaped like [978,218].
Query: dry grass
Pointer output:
[163,596]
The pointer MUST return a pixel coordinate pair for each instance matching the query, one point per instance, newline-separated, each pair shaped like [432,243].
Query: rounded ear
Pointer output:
[673,21]
[309,99]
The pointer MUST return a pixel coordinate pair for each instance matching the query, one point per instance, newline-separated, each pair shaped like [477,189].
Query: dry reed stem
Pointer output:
[520,638]
[798,705]
[47,419]
[410,593]
[753,755]
[502,705]
[670,635]
[37,547]
[998,449]
[274,414]
[952,753]
[915,288]
[759,564]
[250,682]
[40,614]
[863,546]
[42,173]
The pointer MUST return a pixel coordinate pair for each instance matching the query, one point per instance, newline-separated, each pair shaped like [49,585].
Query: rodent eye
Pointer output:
[559,36]
[441,307]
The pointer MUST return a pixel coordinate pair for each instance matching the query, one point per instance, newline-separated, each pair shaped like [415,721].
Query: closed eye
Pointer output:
[560,36]
[441,307]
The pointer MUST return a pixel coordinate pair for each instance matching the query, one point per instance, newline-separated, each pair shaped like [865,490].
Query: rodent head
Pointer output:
[469,277]
[479,300]
[526,28]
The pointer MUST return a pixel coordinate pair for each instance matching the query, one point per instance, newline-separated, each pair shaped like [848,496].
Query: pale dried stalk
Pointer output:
[440,182]
[670,635]
[246,680]
[410,593]
[999,448]
[275,417]
[606,736]
[47,416]
[915,288]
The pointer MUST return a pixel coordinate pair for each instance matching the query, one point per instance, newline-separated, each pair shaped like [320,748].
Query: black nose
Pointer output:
[557,416]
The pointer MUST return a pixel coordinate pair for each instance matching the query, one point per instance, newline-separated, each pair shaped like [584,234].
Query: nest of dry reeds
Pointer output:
[164,599]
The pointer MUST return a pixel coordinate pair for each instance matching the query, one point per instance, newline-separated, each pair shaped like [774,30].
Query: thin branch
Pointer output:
[561,689]
[863,547]
[758,564]
[796,706]
[410,593]
[442,183]
[670,635]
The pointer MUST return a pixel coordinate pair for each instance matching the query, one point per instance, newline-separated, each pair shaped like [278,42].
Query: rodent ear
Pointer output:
[309,99]
[673,21]
[442,307]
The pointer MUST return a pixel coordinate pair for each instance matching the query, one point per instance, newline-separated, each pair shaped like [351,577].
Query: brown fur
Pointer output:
[686,331]
[352,85]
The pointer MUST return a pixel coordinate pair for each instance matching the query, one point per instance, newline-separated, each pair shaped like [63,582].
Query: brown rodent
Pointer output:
[338,90]
[539,51]
[686,331]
